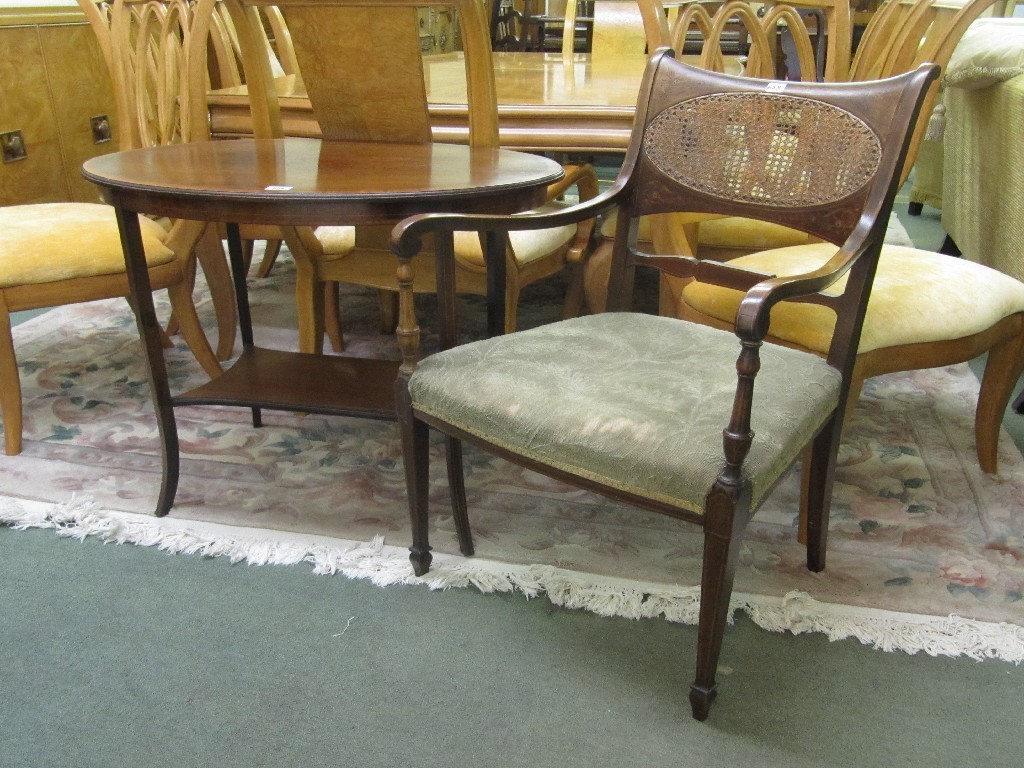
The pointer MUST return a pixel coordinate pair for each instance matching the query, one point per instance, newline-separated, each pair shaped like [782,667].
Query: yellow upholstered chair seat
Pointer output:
[910,301]
[925,310]
[52,242]
[336,241]
[731,232]
[527,246]
[52,254]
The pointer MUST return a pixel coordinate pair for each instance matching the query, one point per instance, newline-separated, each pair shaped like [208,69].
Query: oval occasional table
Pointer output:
[302,182]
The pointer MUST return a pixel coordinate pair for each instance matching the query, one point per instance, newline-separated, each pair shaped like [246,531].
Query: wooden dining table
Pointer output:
[546,102]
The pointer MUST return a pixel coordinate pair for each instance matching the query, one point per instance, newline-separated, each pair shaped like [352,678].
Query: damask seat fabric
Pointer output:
[52,242]
[610,397]
[911,299]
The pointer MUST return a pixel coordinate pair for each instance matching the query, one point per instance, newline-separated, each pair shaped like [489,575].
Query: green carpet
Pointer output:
[125,656]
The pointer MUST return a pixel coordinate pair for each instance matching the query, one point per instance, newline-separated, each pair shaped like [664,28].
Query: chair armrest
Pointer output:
[407,235]
[583,177]
[754,313]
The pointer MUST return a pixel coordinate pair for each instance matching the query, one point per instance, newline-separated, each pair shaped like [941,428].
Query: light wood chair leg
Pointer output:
[270,255]
[309,305]
[10,386]
[191,329]
[210,254]
[1002,371]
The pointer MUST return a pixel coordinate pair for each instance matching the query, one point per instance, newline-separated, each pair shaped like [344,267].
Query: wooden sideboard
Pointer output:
[53,83]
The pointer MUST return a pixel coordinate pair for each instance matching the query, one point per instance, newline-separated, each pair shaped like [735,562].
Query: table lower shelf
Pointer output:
[295,381]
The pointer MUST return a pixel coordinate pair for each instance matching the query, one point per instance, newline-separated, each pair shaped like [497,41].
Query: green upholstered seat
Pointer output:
[614,397]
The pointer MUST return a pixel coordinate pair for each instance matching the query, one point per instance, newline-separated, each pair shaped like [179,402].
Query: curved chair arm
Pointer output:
[406,242]
[407,235]
[582,176]
[754,313]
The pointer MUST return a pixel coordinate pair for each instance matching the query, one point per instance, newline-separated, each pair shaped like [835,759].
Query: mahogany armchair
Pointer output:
[680,418]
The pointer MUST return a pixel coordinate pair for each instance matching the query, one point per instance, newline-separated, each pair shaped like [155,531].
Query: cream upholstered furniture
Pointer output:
[64,253]
[679,418]
[365,80]
[926,183]
[983,179]
[983,183]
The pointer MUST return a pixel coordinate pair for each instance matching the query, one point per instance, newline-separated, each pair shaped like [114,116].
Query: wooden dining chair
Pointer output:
[54,254]
[675,417]
[158,106]
[362,66]
[226,71]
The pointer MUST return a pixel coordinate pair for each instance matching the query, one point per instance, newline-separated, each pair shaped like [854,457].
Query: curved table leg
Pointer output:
[141,300]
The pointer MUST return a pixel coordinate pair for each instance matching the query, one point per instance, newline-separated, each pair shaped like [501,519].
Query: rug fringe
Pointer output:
[384,565]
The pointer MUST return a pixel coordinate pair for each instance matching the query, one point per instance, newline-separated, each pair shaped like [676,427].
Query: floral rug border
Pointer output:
[384,565]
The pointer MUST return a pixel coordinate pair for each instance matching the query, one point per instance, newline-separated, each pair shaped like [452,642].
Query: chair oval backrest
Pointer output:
[722,146]
[786,154]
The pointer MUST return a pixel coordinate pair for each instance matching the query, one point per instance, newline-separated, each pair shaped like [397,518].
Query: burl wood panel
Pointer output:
[25,105]
[52,81]
[80,89]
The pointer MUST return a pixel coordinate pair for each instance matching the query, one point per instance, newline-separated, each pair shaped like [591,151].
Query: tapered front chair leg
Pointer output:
[416,451]
[721,551]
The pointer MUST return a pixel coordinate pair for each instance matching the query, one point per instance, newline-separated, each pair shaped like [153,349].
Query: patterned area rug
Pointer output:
[926,552]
